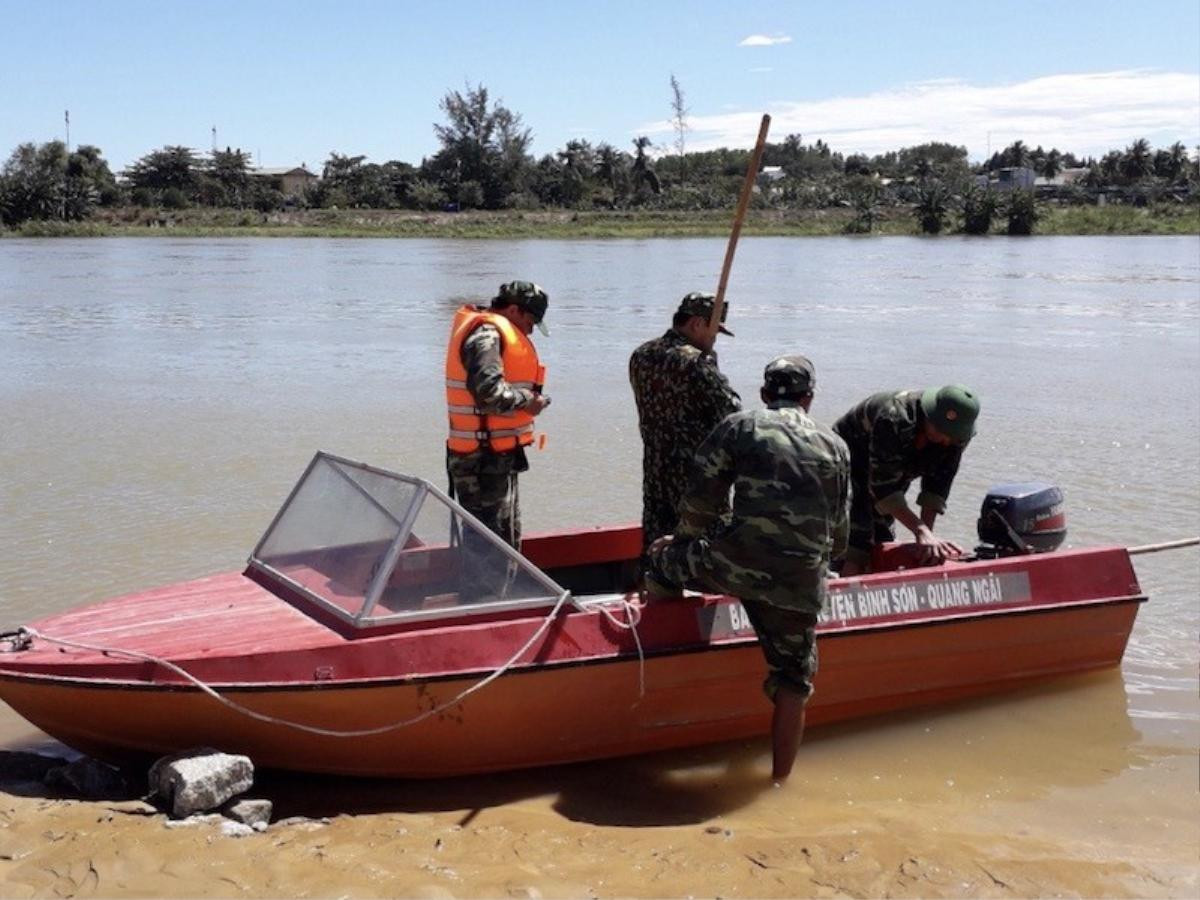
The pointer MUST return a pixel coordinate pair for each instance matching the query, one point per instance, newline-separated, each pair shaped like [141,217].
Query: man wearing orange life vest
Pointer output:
[493,392]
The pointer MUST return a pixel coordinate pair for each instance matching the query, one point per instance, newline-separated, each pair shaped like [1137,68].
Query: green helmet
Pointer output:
[952,410]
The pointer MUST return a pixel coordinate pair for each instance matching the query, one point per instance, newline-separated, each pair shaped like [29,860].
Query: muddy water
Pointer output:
[160,397]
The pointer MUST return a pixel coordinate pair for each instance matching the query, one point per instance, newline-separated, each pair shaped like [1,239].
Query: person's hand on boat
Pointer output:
[934,549]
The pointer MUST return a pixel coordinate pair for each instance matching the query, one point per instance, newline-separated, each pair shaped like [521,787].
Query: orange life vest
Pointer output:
[470,427]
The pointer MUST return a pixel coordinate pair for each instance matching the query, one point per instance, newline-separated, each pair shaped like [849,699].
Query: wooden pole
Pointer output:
[714,321]
[1166,545]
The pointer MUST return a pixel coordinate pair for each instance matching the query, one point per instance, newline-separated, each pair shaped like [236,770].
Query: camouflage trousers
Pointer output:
[868,526]
[662,488]
[492,498]
[786,636]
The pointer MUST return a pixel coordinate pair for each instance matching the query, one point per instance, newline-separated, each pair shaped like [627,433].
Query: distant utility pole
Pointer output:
[214,149]
[67,122]
[679,113]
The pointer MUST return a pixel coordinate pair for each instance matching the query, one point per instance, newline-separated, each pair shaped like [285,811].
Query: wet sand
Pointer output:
[940,821]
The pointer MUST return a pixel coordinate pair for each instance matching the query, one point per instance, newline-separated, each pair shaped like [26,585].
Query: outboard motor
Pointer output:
[1021,518]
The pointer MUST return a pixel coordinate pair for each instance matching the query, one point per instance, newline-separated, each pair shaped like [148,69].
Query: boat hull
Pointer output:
[582,708]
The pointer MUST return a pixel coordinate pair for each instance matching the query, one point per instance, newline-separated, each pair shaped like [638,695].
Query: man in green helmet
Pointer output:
[894,438]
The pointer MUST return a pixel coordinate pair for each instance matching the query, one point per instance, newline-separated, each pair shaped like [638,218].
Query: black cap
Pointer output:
[700,304]
[529,297]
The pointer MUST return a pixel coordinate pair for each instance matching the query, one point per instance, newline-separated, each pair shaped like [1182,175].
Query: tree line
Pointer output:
[484,162]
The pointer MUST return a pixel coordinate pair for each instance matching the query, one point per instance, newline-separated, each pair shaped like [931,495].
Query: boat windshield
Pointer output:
[374,547]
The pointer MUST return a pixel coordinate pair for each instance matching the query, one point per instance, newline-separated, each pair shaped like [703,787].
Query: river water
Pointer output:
[160,396]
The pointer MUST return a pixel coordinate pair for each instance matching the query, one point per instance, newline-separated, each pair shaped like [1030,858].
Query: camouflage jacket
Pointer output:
[881,433]
[790,512]
[485,380]
[681,395]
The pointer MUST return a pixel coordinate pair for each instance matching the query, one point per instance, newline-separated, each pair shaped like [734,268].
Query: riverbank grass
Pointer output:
[564,224]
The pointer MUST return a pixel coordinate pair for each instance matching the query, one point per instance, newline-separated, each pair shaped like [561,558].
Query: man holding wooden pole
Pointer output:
[681,396]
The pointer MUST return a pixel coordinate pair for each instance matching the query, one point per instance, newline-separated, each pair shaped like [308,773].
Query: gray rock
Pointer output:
[19,765]
[199,819]
[304,822]
[248,812]
[90,779]
[200,780]
[134,808]
[235,829]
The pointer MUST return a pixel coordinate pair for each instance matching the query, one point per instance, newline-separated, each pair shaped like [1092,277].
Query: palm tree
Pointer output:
[1051,164]
[933,203]
[610,169]
[643,174]
[979,207]
[863,192]
[1177,160]
[1137,161]
[578,162]
[1017,154]
[1022,212]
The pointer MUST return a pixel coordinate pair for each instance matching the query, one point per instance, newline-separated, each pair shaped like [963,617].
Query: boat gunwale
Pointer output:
[825,630]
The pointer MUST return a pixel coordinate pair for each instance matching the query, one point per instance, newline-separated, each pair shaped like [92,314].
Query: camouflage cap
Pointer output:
[952,410]
[789,376]
[529,297]
[698,303]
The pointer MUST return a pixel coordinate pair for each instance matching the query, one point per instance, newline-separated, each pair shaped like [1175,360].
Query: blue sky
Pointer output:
[292,81]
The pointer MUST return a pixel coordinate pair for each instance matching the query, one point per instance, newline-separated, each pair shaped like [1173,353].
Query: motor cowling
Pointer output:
[1028,517]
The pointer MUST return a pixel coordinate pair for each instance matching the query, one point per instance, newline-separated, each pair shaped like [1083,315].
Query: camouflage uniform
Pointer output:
[485,482]
[881,433]
[681,395]
[790,479]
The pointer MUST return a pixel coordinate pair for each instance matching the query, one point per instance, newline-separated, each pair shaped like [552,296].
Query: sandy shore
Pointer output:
[636,828]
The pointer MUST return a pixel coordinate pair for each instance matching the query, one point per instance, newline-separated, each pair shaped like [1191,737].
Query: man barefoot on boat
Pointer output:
[895,437]
[790,479]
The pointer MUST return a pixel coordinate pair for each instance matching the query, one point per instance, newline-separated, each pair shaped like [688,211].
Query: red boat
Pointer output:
[379,630]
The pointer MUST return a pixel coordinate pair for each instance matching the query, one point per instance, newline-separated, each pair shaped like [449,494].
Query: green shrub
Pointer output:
[174,198]
[1022,212]
[979,206]
[933,205]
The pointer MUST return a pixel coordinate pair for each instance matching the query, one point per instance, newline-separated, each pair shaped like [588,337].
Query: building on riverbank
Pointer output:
[292,181]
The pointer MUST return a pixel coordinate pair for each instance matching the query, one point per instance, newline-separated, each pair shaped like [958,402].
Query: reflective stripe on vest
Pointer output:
[470,427]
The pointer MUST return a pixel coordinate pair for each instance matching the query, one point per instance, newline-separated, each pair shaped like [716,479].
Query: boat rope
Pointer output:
[32,633]
[633,618]
[1165,545]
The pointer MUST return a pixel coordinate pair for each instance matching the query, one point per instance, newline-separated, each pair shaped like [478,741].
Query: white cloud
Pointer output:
[763,40]
[1087,114]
